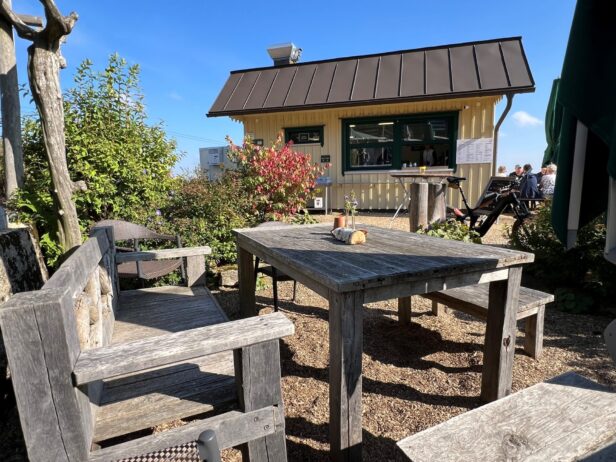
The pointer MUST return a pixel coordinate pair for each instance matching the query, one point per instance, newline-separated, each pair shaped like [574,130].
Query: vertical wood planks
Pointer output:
[26,357]
[345,380]
[418,206]
[257,369]
[499,344]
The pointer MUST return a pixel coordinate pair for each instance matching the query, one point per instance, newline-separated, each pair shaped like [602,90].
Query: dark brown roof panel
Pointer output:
[519,75]
[261,89]
[490,64]
[300,86]
[280,87]
[491,67]
[321,84]
[388,82]
[412,80]
[221,102]
[464,75]
[437,72]
[242,91]
[365,79]
[342,83]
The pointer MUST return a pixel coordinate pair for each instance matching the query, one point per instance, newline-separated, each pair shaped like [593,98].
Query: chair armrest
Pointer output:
[146,255]
[140,355]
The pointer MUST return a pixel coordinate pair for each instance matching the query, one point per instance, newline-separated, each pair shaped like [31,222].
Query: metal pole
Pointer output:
[498,124]
[208,446]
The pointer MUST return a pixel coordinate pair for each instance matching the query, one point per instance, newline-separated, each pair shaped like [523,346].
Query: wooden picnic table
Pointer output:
[391,264]
[425,194]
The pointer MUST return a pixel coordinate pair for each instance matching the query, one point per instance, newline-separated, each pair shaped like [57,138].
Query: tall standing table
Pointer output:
[391,264]
[426,195]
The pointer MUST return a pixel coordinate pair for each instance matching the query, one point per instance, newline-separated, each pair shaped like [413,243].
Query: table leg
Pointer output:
[246,273]
[404,311]
[418,206]
[500,336]
[345,384]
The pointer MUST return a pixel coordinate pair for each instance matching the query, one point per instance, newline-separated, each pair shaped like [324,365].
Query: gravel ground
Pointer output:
[414,377]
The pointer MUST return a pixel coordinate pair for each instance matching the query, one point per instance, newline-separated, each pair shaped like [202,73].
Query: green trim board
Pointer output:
[387,142]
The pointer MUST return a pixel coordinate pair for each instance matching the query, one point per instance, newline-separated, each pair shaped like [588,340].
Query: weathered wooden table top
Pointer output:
[388,256]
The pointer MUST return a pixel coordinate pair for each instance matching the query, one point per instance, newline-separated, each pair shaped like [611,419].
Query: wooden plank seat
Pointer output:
[90,364]
[567,418]
[473,300]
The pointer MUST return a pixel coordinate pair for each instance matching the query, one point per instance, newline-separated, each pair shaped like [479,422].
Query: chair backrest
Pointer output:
[126,231]
[44,333]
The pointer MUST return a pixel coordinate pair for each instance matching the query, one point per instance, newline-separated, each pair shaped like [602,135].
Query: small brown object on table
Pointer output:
[426,195]
[391,264]
[567,418]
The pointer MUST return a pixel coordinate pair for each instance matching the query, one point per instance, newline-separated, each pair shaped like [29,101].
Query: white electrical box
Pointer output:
[214,161]
[318,202]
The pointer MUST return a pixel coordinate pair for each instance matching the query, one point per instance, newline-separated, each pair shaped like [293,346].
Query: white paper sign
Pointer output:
[475,151]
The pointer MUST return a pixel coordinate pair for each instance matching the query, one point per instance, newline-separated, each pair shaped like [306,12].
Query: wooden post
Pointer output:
[11,112]
[9,102]
[418,206]
[195,271]
[246,273]
[437,210]
[345,380]
[499,345]
[258,370]
[533,333]
[404,311]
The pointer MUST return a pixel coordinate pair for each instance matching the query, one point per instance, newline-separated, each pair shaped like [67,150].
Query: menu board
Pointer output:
[475,151]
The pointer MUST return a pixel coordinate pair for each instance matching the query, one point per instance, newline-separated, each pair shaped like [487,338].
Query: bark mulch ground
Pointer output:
[413,377]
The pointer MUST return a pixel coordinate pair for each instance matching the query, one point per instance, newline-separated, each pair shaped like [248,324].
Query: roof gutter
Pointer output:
[497,128]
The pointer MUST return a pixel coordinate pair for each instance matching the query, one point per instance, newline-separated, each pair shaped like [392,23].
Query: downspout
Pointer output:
[498,124]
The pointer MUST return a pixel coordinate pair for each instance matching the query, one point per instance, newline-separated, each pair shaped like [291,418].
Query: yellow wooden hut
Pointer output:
[369,115]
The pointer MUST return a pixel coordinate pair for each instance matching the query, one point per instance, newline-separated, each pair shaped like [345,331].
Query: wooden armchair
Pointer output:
[90,364]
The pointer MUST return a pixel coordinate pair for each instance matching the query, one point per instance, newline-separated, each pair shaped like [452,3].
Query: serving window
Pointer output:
[304,135]
[386,143]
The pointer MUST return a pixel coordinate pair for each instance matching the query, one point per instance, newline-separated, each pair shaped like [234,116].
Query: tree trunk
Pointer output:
[43,74]
[11,123]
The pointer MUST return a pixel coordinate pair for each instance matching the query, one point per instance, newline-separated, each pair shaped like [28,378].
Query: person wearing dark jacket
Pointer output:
[529,188]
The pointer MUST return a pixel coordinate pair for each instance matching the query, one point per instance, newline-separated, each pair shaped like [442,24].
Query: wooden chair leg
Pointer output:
[533,335]
[275,284]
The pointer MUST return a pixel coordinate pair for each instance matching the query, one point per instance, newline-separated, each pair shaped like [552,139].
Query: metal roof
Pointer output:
[482,68]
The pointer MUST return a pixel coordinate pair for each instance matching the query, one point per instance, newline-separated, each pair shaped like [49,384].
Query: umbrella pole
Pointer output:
[610,240]
[577,180]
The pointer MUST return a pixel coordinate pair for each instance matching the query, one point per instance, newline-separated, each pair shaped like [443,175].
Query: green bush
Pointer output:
[581,278]
[124,160]
[451,229]
[204,212]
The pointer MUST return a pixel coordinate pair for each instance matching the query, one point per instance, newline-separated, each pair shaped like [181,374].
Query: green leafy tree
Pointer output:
[124,160]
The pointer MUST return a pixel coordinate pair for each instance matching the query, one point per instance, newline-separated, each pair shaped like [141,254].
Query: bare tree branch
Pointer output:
[57,24]
[23,30]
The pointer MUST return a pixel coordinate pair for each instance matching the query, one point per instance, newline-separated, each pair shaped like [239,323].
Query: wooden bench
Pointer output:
[90,364]
[568,418]
[473,300]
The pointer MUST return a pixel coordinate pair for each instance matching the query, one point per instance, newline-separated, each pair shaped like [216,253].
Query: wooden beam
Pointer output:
[114,360]
[163,254]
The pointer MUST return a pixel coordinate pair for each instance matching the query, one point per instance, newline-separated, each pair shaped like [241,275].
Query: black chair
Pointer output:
[269,270]
[144,270]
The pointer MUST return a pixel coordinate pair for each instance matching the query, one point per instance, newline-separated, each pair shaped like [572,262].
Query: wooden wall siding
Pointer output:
[379,190]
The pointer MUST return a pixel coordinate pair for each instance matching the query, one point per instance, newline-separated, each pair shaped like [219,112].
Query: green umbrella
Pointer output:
[586,150]
[553,119]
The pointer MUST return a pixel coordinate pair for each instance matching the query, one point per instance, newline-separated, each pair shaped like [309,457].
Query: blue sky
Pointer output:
[186,50]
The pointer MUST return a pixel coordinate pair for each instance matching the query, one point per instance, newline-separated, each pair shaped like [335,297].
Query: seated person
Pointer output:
[548,181]
[528,185]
